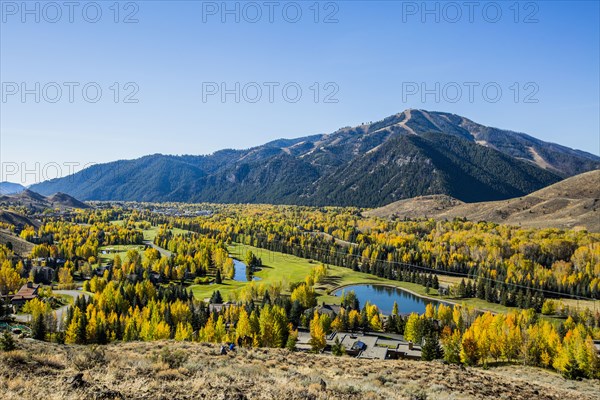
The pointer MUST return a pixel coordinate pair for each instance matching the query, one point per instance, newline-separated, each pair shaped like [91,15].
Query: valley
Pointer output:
[314,200]
[455,289]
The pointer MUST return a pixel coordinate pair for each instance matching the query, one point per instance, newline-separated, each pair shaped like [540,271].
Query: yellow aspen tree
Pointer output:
[317,334]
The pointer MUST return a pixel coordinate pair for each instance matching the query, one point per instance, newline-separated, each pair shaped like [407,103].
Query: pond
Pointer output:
[385,296]
[14,328]
[240,272]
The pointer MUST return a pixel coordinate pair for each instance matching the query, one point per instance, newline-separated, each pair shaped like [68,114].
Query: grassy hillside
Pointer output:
[572,203]
[20,246]
[183,370]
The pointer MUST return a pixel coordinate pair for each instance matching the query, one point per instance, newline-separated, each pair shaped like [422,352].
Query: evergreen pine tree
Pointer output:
[290,344]
[38,327]
[431,349]
[364,320]
[295,313]
[480,288]
[338,349]
[216,298]
[267,298]
[462,289]
[7,343]
[469,289]
[503,296]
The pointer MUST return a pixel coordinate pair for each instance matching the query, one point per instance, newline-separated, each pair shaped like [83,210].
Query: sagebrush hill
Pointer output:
[183,370]
[571,203]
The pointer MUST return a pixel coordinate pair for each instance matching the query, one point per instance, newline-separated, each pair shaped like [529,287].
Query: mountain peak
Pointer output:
[10,188]
[30,194]
[64,199]
[415,152]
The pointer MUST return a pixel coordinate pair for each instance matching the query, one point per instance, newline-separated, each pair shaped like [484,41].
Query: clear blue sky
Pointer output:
[373,55]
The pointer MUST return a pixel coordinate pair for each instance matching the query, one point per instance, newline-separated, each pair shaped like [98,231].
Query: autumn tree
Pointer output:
[469,353]
[451,342]
[10,280]
[65,278]
[413,332]
[317,334]
[243,329]
[305,295]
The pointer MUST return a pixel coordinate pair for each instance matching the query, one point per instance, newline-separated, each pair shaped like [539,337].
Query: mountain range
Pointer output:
[10,188]
[36,203]
[412,153]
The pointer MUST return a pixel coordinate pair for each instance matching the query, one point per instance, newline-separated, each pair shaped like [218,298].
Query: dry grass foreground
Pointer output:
[139,370]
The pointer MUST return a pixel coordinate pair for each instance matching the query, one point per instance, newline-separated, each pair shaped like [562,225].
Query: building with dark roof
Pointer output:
[27,292]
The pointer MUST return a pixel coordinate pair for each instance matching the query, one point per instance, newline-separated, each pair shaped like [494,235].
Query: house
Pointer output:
[100,270]
[218,307]
[332,310]
[303,342]
[27,292]
[43,274]
[374,346]
[374,353]
[408,351]
[358,345]
[443,290]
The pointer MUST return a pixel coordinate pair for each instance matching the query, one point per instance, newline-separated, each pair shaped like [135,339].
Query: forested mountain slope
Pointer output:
[409,154]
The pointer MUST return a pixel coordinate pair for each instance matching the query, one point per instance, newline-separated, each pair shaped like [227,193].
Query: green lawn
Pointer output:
[280,267]
[150,234]
[121,251]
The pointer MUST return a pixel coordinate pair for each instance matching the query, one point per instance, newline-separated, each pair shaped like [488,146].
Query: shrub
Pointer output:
[7,343]
[174,359]
[549,307]
[87,357]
